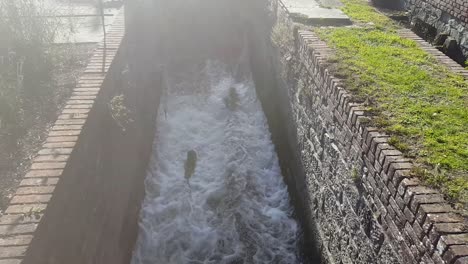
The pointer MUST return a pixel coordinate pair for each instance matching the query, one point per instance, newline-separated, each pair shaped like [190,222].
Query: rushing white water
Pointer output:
[235,208]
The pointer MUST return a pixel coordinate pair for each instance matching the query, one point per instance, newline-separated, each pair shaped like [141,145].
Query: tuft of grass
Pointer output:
[398,144]
[364,13]
[420,103]
[355,174]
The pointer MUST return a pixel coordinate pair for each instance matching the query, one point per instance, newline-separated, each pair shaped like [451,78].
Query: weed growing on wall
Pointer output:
[420,103]
[282,37]
[120,112]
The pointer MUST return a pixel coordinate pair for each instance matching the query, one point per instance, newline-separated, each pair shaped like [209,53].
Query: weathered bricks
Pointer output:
[418,220]
[48,165]
[62,139]
[44,173]
[39,181]
[13,252]
[35,190]
[75,121]
[51,158]
[445,16]
[29,203]
[10,261]
[18,240]
[31,199]
[26,208]
[17,219]
[58,145]
[8,230]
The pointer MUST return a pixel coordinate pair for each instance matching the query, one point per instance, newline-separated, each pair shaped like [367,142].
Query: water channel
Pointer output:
[235,208]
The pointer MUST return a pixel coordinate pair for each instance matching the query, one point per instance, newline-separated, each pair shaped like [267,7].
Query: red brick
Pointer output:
[83,97]
[13,252]
[67,127]
[18,240]
[10,261]
[62,139]
[7,230]
[31,199]
[47,165]
[96,84]
[86,89]
[79,106]
[72,116]
[38,181]
[59,150]
[33,182]
[91,77]
[19,219]
[44,173]
[71,122]
[90,94]
[51,158]
[80,102]
[64,133]
[75,111]
[35,190]
[24,209]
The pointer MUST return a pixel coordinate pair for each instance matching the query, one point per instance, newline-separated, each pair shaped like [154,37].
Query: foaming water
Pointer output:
[235,209]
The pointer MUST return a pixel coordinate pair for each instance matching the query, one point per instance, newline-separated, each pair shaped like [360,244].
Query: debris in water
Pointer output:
[232,100]
[190,164]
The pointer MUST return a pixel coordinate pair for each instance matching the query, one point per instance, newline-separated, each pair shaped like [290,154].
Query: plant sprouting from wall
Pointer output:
[355,174]
[120,112]
[282,37]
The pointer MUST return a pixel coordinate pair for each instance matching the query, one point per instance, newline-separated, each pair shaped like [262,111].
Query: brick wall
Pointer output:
[353,188]
[79,202]
[447,16]
[455,8]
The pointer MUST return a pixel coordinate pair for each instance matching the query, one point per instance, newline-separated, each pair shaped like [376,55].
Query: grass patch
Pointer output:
[420,103]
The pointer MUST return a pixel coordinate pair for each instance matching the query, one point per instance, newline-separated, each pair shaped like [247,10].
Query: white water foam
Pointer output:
[236,208]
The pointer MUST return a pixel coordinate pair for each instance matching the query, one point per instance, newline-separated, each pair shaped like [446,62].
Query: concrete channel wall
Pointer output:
[447,16]
[80,201]
[353,191]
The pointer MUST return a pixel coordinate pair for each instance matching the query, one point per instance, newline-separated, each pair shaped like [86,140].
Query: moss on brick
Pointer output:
[421,104]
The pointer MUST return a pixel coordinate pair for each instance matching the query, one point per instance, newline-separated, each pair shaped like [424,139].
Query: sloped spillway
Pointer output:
[235,209]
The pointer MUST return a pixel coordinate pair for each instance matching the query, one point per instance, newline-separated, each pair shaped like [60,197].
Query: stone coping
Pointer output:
[29,203]
[439,55]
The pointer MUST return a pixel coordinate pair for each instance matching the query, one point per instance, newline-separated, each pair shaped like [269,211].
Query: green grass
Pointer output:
[420,103]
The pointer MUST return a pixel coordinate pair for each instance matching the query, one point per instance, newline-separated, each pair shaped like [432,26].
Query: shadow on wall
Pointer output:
[92,217]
